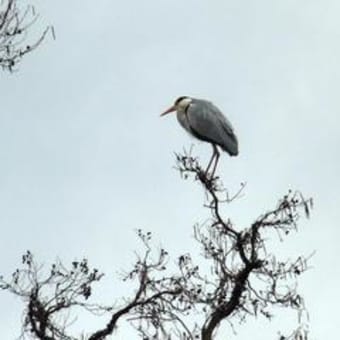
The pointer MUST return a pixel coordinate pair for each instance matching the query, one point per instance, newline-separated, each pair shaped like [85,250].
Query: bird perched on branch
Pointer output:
[206,122]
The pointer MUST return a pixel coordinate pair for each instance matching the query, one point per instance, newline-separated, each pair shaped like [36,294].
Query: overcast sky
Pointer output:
[85,158]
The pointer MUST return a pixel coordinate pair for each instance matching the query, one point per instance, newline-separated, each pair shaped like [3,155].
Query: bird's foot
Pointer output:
[209,179]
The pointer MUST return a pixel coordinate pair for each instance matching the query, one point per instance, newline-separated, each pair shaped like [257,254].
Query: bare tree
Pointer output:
[15,23]
[238,276]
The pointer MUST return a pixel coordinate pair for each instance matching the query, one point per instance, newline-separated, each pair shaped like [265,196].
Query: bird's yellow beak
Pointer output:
[170,109]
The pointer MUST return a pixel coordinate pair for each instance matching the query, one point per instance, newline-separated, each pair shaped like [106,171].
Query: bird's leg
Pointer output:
[211,159]
[217,156]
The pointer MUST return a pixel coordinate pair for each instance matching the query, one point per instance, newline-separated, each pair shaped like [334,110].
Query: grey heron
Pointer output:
[203,120]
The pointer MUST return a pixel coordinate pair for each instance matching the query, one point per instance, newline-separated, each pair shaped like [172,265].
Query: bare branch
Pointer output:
[15,23]
[238,276]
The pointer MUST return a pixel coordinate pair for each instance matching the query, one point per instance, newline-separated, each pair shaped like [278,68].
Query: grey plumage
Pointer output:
[206,122]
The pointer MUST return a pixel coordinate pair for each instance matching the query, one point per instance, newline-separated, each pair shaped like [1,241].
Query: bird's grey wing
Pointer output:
[209,124]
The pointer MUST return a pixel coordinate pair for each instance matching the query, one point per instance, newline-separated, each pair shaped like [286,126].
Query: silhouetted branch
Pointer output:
[240,277]
[15,23]
[241,260]
[47,294]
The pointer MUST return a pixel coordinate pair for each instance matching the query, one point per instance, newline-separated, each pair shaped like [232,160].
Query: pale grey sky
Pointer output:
[85,158]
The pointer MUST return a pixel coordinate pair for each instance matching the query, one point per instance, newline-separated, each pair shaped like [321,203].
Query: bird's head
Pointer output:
[180,105]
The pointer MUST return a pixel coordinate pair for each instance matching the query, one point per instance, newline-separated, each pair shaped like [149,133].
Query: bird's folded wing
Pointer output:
[209,124]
